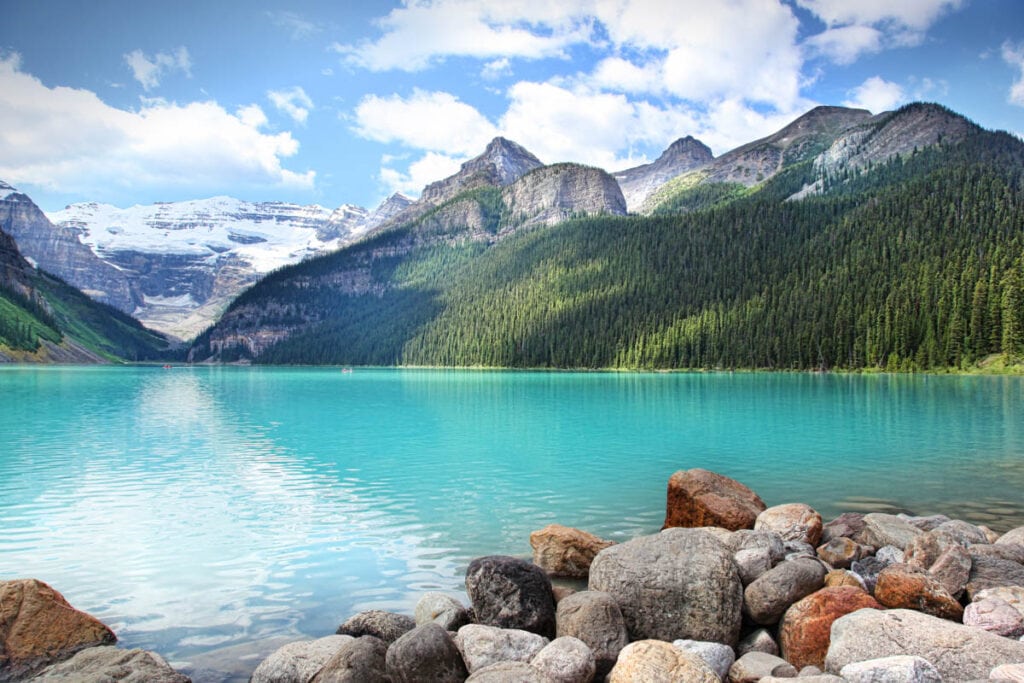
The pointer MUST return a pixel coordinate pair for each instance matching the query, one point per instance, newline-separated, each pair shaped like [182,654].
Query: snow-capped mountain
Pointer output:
[185,261]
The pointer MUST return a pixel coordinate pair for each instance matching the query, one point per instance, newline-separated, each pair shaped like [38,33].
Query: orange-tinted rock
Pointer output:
[38,627]
[564,551]
[908,587]
[843,577]
[840,552]
[699,498]
[805,628]
[792,522]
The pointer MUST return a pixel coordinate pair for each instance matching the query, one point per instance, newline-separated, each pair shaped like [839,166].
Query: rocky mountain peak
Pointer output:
[689,149]
[683,155]
[501,164]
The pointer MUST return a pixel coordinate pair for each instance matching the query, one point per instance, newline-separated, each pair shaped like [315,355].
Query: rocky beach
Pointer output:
[728,590]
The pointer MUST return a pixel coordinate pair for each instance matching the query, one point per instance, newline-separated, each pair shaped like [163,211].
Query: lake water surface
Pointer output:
[211,513]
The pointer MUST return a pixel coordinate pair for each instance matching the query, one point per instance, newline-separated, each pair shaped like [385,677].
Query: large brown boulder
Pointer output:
[564,551]
[39,627]
[678,584]
[804,632]
[699,498]
[905,586]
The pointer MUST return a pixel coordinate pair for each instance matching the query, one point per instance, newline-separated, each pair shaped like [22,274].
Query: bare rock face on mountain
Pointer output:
[685,154]
[555,193]
[57,250]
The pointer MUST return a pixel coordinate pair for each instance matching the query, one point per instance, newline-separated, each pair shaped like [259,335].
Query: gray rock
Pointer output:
[110,663]
[792,522]
[595,618]
[868,569]
[963,532]
[768,598]
[890,554]
[717,655]
[754,666]
[960,653]
[897,669]
[363,660]
[507,672]
[681,583]
[995,616]
[508,592]
[426,653]
[298,662]
[763,539]
[881,529]
[846,525]
[1004,551]
[565,660]
[388,626]
[646,661]
[1011,595]
[796,550]
[925,523]
[552,194]
[1012,537]
[992,572]
[758,641]
[441,609]
[840,552]
[752,563]
[953,570]
[482,645]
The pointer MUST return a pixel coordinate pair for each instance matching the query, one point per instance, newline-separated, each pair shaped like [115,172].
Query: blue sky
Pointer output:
[334,102]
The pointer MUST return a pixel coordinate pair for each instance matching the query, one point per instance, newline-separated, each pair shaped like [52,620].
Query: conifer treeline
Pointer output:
[914,264]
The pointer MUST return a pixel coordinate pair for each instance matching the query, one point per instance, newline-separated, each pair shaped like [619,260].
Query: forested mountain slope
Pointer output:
[906,262]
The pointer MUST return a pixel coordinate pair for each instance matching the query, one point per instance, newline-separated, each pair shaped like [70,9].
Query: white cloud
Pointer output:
[420,34]
[425,170]
[1014,56]
[298,27]
[148,71]
[495,69]
[866,26]
[69,140]
[294,102]
[433,121]
[876,95]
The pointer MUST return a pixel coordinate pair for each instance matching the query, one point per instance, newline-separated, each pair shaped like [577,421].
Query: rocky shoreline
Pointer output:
[729,590]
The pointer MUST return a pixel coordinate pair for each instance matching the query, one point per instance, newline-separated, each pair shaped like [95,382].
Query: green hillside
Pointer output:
[916,263]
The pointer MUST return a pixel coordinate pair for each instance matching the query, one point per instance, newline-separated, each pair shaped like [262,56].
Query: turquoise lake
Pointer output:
[212,513]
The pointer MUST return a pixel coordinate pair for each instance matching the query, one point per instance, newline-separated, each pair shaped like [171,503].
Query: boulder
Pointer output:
[796,550]
[564,551]
[847,524]
[759,640]
[755,666]
[992,572]
[109,663]
[960,653]
[299,661]
[1008,672]
[680,583]
[840,552]
[751,563]
[882,529]
[807,625]
[749,539]
[39,627]
[844,577]
[595,618]
[511,593]
[1011,595]
[388,626]
[565,660]
[990,535]
[908,587]
[962,532]
[897,669]
[441,609]
[925,549]
[924,523]
[361,660]
[1012,537]
[953,570]
[1006,551]
[698,498]
[482,645]
[716,655]
[890,554]
[426,653]
[655,661]
[867,570]
[792,522]
[767,598]
[995,616]
[507,672]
